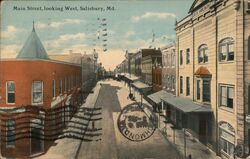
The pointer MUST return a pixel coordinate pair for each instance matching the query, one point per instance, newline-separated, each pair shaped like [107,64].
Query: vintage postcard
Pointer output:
[125,79]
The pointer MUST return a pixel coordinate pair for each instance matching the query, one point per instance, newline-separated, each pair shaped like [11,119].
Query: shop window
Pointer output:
[226,50]
[10,92]
[188,56]
[37,92]
[187,86]
[181,85]
[226,96]
[181,58]
[10,133]
[203,54]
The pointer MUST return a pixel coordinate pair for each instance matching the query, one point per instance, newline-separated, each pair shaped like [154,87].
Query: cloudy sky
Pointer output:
[130,26]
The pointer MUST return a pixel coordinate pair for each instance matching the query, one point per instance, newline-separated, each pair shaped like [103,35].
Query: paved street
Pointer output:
[113,97]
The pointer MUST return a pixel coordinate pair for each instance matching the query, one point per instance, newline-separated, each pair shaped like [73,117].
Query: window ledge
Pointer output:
[11,103]
[202,63]
[226,62]
[37,104]
[226,109]
[10,146]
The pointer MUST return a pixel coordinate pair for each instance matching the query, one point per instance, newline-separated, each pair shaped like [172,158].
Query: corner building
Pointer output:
[212,57]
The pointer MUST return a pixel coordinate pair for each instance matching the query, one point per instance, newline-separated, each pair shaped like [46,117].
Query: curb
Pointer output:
[93,101]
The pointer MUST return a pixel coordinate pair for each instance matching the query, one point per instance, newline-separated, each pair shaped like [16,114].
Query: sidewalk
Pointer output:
[66,148]
[193,147]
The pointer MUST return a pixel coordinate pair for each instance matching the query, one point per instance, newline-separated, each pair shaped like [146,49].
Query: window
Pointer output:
[168,82]
[37,92]
[226,96]
[173,59]
[198,87]
[181,58]
[249,44]
[203,54]
[187,86]
[54,88]
[10,92]
[188,56]
[10,133]
[69,83]
[173,83]
[65,84]
[61,86]
[181,85]
[206,90]
[226,50]
[227,137]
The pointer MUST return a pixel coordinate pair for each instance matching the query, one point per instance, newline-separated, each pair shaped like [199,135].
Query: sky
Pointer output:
[115,27]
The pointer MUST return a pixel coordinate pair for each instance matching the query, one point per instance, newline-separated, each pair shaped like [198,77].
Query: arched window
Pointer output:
[227,138]
[203,54]
[226,49]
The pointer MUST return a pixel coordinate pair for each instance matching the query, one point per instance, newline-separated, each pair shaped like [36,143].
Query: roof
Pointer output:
[156,97]
[33,48]
[197,4]
[131,77]
[202,71]
[142,87]
[185,105]
[72,58]
[146,52]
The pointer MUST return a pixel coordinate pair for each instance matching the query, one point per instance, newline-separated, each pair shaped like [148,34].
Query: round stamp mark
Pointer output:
[135,123]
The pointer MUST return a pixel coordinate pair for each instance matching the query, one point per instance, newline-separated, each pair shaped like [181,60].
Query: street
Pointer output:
[112,98]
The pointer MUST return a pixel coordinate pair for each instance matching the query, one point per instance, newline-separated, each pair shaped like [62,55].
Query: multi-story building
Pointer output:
[150,58]
[168,69]
[37,96]
[212,73]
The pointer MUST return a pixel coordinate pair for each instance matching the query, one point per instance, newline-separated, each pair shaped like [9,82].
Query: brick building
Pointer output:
[168,69]
[38,96]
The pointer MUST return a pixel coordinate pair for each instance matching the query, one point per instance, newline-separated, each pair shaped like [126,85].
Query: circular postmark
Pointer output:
[136,122]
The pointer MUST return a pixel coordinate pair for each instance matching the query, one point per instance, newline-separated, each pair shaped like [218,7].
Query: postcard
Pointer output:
[125,79]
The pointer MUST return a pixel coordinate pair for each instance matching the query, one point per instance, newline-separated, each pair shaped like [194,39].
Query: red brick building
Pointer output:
[38,96]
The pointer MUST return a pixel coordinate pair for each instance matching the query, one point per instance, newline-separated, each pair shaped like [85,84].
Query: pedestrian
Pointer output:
[189,156]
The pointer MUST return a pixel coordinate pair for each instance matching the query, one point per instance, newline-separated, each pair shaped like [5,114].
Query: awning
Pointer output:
[142,87]
[156,97]
[185,105]
[131,77]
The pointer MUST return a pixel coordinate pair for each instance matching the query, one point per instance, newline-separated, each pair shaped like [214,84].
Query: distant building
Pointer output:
[71,57]
[168,69]
[32,87]
[150,58]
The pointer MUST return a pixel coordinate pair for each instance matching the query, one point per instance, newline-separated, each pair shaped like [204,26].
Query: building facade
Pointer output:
[212,63]
[150,58]
[168,69]
[38,97]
